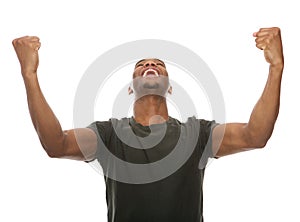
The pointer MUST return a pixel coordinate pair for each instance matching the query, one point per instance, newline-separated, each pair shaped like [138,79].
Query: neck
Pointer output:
[150,109]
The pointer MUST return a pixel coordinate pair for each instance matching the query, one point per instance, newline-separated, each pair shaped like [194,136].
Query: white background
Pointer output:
[261,185]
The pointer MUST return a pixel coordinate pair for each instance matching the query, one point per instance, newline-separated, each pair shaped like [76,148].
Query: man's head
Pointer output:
[150,76]
[156,65]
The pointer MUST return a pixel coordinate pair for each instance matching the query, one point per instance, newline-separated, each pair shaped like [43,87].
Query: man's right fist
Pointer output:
[27,51]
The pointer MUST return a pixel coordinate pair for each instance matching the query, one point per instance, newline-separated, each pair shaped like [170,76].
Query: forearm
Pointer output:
[265,112]
[45,122]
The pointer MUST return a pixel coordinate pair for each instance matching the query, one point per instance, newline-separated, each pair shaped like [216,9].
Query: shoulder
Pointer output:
[203,123]
[196,126]
[107,125]
[99,125]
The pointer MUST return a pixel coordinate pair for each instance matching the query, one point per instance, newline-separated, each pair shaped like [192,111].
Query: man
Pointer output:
[174,196]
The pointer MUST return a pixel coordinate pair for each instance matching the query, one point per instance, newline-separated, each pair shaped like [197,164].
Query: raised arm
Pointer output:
[232,138]
[55,141]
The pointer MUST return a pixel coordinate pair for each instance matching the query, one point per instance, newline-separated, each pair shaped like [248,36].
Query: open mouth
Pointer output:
[150,73]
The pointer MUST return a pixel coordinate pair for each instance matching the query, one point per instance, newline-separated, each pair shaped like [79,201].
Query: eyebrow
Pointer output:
[153,59]
[139,62]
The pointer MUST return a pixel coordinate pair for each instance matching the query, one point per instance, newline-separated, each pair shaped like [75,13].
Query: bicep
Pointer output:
[230,138]
[80,144]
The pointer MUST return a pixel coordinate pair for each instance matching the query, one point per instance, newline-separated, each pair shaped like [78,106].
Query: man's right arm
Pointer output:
[78,144]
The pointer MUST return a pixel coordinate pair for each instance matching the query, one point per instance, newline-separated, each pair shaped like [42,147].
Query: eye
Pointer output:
[140,64]
[160,64]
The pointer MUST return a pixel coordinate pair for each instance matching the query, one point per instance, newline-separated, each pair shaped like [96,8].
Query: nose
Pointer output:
[149,63]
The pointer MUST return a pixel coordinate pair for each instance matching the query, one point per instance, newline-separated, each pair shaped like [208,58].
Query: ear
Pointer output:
[170,90]
[130,91]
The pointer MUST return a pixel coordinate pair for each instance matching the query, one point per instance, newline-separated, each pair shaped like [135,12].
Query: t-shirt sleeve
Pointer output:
[206,129]
[101,128]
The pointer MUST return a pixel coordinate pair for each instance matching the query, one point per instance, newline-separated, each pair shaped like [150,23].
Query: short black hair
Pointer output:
[150,58]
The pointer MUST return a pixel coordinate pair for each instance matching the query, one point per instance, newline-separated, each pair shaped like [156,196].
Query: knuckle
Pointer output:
[260,46]
[18,41]
[276,30]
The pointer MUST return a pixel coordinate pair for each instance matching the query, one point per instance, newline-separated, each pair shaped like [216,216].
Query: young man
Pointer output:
[166,193]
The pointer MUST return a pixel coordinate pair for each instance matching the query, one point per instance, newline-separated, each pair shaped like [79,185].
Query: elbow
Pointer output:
[257,139]
[259,143]
[52,152]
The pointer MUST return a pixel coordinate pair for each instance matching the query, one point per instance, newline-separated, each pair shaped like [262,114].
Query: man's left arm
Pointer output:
[232,138]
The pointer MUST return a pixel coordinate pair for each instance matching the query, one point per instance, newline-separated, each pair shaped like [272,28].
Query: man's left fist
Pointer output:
[269,40]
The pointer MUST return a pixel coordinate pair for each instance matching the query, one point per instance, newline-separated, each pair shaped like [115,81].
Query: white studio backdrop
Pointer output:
[260,185]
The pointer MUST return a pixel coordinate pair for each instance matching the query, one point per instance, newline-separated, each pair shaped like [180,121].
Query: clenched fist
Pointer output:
[27,51]
[269,40]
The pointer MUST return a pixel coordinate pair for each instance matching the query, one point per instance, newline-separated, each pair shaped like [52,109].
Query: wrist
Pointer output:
[29,74]
[278,68]
[29,77]
[275,72]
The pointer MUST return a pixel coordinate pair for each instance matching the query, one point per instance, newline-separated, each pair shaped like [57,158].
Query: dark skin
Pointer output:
[150,109]
[227,138]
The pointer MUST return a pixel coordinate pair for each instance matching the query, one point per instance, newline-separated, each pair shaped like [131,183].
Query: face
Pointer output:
[150,68]
[150,77]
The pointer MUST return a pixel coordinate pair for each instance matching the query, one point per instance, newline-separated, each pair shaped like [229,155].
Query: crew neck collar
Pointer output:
[134,122]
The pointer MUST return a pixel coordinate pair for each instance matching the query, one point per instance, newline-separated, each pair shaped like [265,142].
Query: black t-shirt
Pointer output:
[158,181]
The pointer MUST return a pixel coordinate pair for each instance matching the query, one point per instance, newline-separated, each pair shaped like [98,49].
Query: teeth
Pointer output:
[148,70]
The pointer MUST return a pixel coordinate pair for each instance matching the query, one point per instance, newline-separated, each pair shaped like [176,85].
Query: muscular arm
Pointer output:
[232,138]
[79,144]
